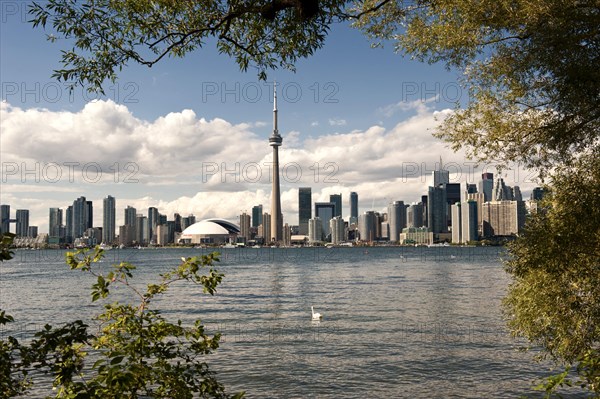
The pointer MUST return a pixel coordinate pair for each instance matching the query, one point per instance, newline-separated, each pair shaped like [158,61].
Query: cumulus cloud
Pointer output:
[183,163]
[337,122]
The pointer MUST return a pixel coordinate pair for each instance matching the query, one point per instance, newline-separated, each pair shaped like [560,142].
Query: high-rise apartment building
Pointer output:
[486,186]
[55,222]
[336,199]
[4,219]
[396,219]
[441,176]
[81,211]
[245,226]
[353,208]
[109,208]
[257,214]
[325,211]
[304,209]
[315,230]
[503,218]
[437,210]
[22,226]
[367,226]
[414,215]
[338,230]
[153,221]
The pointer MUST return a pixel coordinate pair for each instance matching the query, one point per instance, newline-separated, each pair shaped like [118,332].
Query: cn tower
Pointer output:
[275,142]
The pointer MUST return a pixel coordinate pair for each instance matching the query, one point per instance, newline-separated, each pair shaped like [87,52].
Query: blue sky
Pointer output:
[190,135]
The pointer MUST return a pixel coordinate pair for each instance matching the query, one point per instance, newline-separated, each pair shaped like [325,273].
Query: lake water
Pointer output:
[397,322]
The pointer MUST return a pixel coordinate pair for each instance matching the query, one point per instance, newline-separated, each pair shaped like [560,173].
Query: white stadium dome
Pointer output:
[209,231]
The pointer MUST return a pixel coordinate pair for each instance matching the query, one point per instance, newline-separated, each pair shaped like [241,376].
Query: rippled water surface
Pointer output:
[398,322]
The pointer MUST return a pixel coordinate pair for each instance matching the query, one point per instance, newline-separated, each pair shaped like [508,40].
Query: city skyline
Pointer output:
[187,135]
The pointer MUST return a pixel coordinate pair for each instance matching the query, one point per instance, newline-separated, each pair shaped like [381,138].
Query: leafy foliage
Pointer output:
[531,68]
[109,34]
[554,300]
[136,352]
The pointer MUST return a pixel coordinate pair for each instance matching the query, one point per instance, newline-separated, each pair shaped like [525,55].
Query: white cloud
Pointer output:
[184,163]
[337,122]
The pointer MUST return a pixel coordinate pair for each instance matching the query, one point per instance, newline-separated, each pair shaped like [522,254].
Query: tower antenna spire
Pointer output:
[275,130]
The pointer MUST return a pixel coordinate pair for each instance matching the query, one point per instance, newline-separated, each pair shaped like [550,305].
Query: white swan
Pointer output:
[315,316]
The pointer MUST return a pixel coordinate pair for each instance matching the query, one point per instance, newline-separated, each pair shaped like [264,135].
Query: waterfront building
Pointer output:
[338,230]
[287,235]
[257,214]
[126,235]
[141,229]
[69,224]
[80,212]
[503,218]
[108,220]
[210,231]
[55,223]
[414,215]
[304,209]
[501,191]
[437,210]
[22,223]
[353,208]
[32,231]
[479,199]
[516,193]
[367,226]
[266,228]
[4,219]
[275,141]
[315,230]
[325,211]
[441,176]
[130,216]
[336,199]
[396,220]
[416,236]
[162,234]
[245,227]
[470,222]
[537,194]
[486,186]
[456,223]
[153,221]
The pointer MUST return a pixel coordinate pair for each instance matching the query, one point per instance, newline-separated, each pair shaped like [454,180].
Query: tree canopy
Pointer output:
[532,68]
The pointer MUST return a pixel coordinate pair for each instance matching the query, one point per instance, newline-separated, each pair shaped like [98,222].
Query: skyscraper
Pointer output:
[456,223]
[315,230]
[108,220]
[414,215]
[130,216]
[266,227]
[338,230]
[275,142]
[69,224]
[353,207]
[22,228]
[257,215]
[367,226]
[4,219]
[55,219]
[325,211]
[436,210]
[470,221]
[80,212]
[503,218]
[537,194]
[486,185]
[89,214]
[441,176]
[153,221]
[336,199]
[304,209]
[396,219]
[245,226]
[501,192]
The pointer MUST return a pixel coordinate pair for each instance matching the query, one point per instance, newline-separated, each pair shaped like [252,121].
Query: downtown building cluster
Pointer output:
[73,226]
